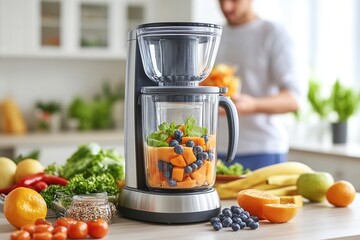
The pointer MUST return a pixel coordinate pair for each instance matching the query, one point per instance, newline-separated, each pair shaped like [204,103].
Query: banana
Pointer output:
[260,175]
[284,191]
[283,180]
[226,193]
[264,186]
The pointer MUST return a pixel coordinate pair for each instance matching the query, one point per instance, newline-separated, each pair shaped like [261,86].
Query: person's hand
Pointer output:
[245,104]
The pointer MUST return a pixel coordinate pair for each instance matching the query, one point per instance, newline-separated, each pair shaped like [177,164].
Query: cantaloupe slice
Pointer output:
[188,155]
[200,175]
[190,183]
[210,172]
[197,140]
[178,161]
[178,173]
[161,153]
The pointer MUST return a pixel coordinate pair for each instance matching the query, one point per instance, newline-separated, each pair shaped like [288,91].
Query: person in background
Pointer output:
[263,54]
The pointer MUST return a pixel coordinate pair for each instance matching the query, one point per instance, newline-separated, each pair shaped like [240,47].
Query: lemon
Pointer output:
[7,172]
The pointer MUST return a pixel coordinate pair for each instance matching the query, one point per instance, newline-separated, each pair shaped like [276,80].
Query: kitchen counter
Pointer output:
[314,221]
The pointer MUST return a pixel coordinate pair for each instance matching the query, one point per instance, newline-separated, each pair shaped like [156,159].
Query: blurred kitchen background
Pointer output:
[62,65]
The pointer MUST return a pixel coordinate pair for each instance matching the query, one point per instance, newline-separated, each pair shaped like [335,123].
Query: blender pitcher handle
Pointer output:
[233,124]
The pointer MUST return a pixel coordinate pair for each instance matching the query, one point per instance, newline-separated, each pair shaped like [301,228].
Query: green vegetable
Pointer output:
[91,160]
[321,105]
[234,169]
[81,185]
[345,101]
[33,155]
[165,130]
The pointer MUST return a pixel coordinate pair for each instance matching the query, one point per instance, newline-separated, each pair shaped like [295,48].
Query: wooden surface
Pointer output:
[314,221]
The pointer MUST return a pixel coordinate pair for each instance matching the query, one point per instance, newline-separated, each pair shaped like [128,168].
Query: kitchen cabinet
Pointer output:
[69,28]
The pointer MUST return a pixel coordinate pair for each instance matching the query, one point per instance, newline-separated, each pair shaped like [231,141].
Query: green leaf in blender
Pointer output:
[192,130]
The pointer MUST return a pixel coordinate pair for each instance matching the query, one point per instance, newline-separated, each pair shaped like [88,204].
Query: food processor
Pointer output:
[171,123]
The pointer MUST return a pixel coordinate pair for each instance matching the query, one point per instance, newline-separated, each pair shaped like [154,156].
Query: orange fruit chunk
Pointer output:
[24,206]
[296,199]
[341,194]
[280,213]
[253,200]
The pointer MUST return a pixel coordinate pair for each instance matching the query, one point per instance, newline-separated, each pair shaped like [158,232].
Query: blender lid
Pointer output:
[179,90]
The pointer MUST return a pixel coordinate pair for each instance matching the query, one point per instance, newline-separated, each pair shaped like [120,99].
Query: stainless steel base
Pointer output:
[175,207]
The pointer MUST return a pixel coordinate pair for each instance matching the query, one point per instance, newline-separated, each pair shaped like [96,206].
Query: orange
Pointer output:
[253,201]
[280,213]
[28,167]
[341,194]
[24,206]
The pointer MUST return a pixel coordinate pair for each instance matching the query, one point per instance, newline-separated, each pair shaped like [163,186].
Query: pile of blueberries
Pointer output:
[236,218]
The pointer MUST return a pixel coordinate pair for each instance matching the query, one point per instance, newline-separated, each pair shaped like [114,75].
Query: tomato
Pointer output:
[64,221]
[43,228]
[30,228]
[78,230]
[98,228]
[61,229]
[42,236]
[59,236]
[20,235]
[41,221]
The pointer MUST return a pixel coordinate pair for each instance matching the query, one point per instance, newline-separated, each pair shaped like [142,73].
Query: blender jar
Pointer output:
[179,135]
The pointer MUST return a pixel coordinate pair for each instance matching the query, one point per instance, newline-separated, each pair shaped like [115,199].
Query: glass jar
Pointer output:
[91,206]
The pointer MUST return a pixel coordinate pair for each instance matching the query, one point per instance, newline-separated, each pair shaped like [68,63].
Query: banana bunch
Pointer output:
[278,179]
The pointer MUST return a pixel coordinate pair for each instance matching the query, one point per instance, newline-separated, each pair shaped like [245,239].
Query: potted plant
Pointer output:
[321,105]
[345,102]
[48,116]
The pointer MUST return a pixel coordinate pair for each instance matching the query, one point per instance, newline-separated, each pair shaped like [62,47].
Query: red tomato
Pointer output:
[64,221]
[98,228]
[20,235]
[78,230]
[59,236]
[41,221]
[43,228]
[30,228]
[42,236]
[61,229]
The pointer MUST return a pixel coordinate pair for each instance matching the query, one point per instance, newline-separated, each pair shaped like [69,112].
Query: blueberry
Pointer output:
[178,134]
[233,207]
[194,166]
[214,220]
[255,218]
[167,174]
[248,221]
[205,137]
[203,156]
[227,222]
[253,225]
[172,182]
[217,226]
[236,220]
[173,143]
[227,212]
[161,165]
[235,227]
[243,217]
[247,213]
[188,169]
[190,143]
[197,149]
[242,225]
[167,170]
[221,217]
[179,149]
[211,156]
[237,211]
[199,163]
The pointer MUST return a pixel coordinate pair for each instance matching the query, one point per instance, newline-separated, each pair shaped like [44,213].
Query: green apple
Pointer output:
[7,172]
[313,186]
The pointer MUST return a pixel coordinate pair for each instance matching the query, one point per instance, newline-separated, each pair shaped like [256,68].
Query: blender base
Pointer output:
[169,208]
